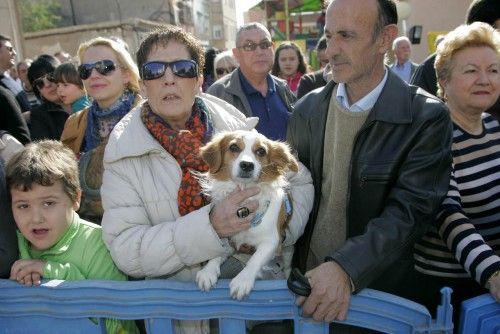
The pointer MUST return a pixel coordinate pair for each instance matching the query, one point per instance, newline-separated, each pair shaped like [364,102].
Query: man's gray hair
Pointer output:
[398,40]
[250,26]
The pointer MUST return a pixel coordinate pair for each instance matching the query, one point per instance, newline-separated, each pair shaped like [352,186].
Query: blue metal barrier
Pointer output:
[480,315]
[66,306]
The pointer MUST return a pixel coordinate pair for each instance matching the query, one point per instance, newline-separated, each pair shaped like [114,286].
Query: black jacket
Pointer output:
[309,82]
[425,75]
[8,238]
[47,121]
[399,173]
[11,118]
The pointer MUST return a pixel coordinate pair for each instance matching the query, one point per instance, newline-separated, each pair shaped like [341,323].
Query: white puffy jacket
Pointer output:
[141,224]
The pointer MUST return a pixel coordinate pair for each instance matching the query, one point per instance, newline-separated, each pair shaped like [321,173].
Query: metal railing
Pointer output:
[66,306]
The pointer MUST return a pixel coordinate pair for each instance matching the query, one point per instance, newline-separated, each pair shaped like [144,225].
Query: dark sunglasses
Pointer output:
[222,70]
[40,82]
[184,68]
[104,67]
[251,46]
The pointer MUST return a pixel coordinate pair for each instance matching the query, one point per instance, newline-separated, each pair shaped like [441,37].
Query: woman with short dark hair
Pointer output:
[46,120]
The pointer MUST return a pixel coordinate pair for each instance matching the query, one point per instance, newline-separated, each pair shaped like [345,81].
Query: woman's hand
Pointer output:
[224,216]
[27,272]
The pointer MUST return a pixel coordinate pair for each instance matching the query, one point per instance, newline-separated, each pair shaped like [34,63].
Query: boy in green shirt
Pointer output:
[54,243]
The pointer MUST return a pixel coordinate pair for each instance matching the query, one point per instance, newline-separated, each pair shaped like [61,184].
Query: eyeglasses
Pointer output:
[222,70]
[104,67]
[184,68]
[251,46]
[40,82]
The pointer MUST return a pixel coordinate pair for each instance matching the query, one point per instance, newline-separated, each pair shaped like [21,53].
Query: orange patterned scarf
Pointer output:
[184,146]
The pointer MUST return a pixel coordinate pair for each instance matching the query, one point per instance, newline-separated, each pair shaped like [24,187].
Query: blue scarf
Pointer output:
[111,115]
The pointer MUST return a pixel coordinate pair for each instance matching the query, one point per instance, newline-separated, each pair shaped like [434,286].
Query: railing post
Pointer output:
[444,314]
[159,325]
[309,326]
[231,326]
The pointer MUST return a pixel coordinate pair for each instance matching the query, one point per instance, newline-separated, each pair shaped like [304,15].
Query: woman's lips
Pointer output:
[97,86]
[171,97]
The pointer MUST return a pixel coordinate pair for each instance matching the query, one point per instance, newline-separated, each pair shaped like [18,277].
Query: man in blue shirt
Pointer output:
[403,66]
[251,88]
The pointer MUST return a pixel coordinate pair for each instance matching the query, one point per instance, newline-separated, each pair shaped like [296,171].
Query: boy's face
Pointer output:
[43,213]
[68,92]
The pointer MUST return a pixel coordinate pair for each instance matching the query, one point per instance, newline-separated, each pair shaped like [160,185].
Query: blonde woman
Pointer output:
[111,79]
[463,247]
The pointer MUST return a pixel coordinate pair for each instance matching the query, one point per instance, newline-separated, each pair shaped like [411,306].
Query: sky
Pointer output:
[243,6]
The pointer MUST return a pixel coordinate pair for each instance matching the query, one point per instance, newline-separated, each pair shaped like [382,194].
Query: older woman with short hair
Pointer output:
[462,249]
[156,221]
[224,63]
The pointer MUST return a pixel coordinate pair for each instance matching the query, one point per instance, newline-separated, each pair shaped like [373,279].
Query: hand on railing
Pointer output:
[27,272]
[330,293]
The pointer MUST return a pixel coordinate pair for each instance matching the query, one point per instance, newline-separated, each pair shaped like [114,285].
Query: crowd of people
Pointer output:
[398,187]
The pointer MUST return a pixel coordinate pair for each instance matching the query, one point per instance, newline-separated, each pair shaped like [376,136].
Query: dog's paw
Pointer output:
[241,285]
[207,277]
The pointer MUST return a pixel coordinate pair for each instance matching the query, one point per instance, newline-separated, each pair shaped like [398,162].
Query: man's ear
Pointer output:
[389,33]
[236,54]
[76,204]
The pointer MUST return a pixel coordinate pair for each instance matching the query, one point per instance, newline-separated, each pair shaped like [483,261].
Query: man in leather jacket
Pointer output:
[379,154]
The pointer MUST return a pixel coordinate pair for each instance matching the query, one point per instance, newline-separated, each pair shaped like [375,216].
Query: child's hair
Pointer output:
[44,162]
[67,73]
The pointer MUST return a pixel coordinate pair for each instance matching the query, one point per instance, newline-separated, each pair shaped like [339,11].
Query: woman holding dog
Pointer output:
[156,223]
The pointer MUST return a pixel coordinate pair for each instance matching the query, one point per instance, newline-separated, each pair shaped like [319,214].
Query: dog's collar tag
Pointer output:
[258,217]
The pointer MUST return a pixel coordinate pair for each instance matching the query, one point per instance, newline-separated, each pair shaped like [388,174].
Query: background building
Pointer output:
[9,23]
[420,20]
[223,24]
[212,21]
[129,20]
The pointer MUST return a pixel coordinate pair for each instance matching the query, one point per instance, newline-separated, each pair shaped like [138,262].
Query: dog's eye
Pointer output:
[260,152]
[234,148]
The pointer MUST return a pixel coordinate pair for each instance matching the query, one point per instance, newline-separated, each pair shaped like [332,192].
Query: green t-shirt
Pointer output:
[79,254]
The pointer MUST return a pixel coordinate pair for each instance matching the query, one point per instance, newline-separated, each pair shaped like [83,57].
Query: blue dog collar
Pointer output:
[288,211]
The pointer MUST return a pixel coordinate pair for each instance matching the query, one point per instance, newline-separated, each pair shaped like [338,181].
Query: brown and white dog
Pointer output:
[244,159]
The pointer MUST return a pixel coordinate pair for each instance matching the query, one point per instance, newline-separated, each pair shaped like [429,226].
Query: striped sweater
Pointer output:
[465,239]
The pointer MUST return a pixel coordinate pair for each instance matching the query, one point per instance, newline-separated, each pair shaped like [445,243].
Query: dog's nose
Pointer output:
[246,166]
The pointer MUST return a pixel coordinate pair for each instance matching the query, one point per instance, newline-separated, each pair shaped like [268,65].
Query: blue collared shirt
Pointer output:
[364,104]
[271,110]
[403,71]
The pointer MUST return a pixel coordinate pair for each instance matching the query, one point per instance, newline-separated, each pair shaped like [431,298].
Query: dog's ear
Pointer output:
[284,158]
[212,153]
